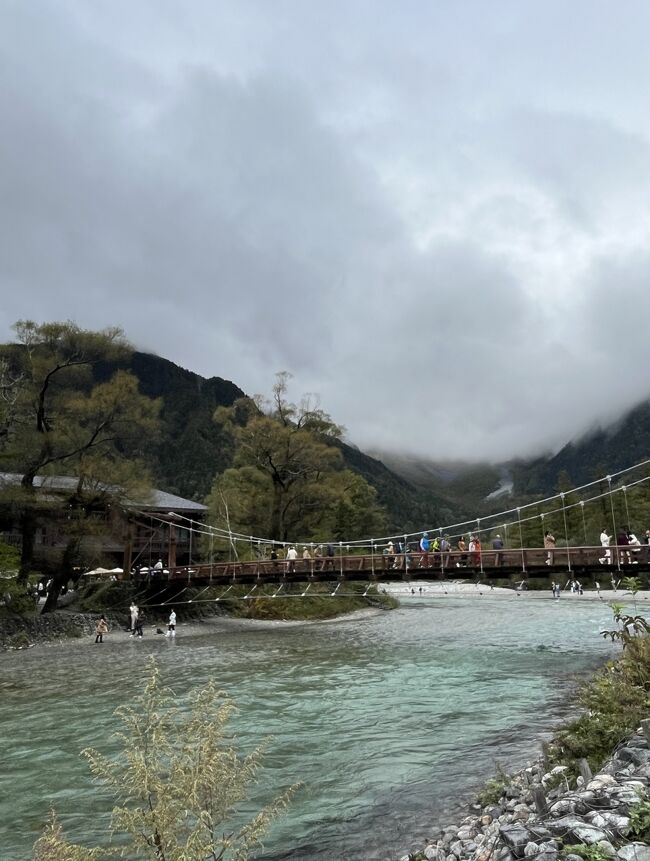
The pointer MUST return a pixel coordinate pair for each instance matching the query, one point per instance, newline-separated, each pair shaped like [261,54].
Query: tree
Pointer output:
[59,420]
[178,783]
[288,475]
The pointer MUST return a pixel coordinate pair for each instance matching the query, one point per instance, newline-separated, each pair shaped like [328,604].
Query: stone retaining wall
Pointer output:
[18,632]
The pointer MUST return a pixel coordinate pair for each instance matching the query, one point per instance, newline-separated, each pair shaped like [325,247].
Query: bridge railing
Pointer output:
[412,564]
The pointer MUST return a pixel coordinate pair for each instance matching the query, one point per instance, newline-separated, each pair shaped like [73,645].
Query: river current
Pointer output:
[388,721]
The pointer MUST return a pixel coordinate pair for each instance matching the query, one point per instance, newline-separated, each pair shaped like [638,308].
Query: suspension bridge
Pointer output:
[253,560]
[574,562]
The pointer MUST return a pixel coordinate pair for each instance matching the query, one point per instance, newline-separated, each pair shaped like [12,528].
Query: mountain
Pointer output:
[598,453]
[481,488]
[466,486]
[191,449]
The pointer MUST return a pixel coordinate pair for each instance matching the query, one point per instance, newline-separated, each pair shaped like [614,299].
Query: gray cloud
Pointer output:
[437,220]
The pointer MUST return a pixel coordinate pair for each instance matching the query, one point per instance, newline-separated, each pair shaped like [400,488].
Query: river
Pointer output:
[387,720]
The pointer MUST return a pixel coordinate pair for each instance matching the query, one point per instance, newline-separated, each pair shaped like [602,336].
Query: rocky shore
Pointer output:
[542,815]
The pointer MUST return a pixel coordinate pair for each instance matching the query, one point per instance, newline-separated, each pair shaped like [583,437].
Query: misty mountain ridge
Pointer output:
[603,449]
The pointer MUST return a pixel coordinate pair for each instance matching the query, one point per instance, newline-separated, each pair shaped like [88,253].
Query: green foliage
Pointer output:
[179,783]
[16,598]
[640,819]
[104,595]
[614,703]
[9,559]
[317,604]
[493,789]
[63,421]
[586,851]
[20,641]
[629,626]
[288,481]
[193,447]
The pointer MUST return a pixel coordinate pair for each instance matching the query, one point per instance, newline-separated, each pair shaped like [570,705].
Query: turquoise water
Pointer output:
[387,720]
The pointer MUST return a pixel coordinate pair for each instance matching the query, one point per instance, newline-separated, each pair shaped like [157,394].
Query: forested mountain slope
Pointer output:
[593,456]
[192,449]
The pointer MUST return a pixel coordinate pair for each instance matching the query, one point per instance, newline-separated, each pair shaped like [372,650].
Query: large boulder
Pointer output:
[575,830]
[634,852]
[516,837]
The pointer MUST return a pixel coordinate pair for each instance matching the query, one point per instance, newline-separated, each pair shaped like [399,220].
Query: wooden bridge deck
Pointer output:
[575,561]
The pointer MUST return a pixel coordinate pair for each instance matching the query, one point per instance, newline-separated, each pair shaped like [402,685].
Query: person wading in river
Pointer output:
[101,628]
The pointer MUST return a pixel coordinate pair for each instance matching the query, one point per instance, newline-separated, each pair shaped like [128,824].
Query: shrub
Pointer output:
[640,819]
[178,783]
[588,852]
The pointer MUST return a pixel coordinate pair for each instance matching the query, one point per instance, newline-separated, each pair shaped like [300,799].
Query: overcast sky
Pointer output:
[434,214]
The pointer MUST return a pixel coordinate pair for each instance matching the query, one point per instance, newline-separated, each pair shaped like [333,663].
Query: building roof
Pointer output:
[158,500]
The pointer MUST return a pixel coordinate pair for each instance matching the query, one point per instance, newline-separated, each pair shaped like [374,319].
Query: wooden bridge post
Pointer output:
[171,547]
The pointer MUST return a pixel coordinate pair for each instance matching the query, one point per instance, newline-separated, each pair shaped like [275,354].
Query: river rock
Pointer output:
[549,855]
[456,848]
[466,833]
[606,847]
[601,781]
[531,849]
[516,837]
[611,821]
[539,831]
[634,852]
[570,827]
[563,806]
[434,853]
[485,855]
[636,755]
[584,802]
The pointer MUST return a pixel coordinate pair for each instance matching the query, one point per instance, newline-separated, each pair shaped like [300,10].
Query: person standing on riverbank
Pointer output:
[133,610]
[137,628]
[171,625]
[101,628]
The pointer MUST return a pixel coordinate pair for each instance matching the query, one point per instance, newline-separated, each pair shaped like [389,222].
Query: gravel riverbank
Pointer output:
[540,814]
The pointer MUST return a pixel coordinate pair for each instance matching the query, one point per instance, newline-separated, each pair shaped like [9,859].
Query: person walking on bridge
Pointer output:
[497,546]
[604,542]
[622,542]
[292,555]
[425,545]
[462,547]
[549,544]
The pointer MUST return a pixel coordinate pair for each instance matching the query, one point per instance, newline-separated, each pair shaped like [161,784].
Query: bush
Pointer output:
[20,641]
[615,701]
[16,598]
[178,783]
[592,852]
